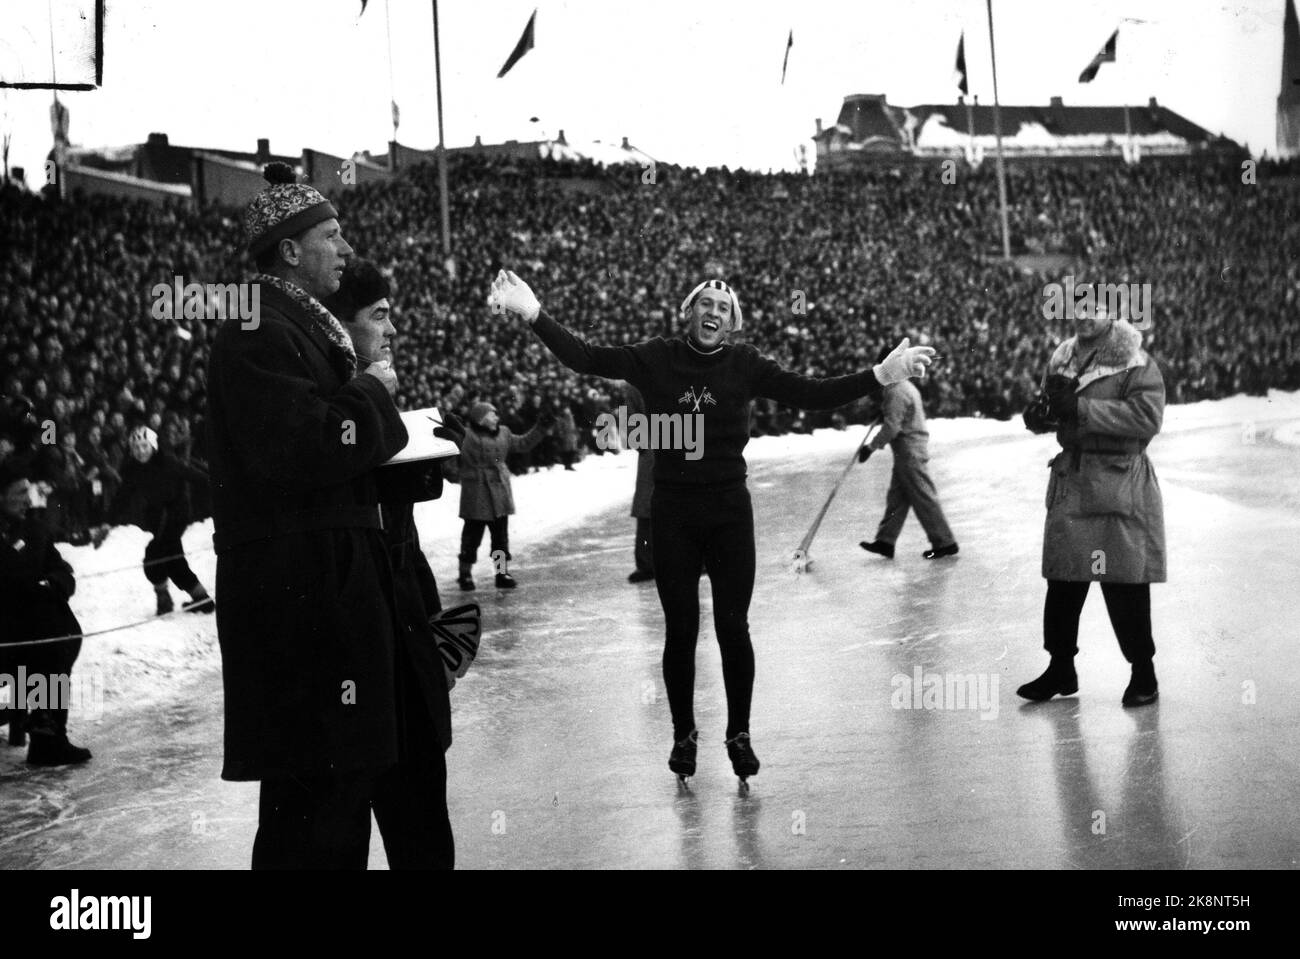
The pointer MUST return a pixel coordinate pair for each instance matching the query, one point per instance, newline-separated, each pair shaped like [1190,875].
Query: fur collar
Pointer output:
[1119,350]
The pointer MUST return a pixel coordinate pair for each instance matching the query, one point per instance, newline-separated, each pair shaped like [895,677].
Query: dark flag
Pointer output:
[1105,55]
[523,46]
[363,9]
[959,71]
[786,62]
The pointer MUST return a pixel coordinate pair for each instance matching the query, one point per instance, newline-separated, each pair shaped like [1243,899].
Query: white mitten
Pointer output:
[509,293]
[904,363]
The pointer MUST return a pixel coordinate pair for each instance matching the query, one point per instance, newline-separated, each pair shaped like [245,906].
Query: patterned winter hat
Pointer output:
[737,318]
[284,209]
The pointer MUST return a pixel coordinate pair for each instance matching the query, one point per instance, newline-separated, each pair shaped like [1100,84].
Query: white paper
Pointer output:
[423,445]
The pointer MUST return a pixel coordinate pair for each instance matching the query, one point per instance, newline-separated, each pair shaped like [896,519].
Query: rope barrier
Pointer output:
[186,608]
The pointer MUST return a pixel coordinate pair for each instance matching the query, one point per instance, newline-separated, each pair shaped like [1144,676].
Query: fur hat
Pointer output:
[362,284]
[737,318]
[284,209]
[479,411]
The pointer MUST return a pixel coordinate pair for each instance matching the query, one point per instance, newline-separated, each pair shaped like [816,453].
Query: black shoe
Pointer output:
[48,749]
[17,727]
[682,759]
[741,753]
[505,581]
[640,576]
[941,551]
[165,604]
[466,583]
[881,549]
[1142,688]
[204,605]
[1060,679]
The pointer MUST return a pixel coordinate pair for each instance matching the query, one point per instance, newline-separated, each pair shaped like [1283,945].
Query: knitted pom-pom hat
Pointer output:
[284,209]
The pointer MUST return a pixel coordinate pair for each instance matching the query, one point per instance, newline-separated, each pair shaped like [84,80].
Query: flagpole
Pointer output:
[392,85]
[997,133]
[442,146]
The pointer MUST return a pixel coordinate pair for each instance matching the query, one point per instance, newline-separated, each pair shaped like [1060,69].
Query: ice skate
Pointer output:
[743,760]
[682,759]
[165,604]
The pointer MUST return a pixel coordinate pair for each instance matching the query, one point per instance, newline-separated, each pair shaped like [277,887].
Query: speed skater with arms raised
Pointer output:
[703,519]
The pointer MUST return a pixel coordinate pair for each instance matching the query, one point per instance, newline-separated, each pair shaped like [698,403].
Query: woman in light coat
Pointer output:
[1105,516]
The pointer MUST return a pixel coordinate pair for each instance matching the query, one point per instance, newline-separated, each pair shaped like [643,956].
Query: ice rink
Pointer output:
[562,727]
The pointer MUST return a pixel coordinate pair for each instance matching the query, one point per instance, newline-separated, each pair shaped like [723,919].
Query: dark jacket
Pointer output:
[304,589]
[155,495]
[35,585]
[415,589]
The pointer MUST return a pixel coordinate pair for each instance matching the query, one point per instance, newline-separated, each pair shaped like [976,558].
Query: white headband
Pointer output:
[737,318]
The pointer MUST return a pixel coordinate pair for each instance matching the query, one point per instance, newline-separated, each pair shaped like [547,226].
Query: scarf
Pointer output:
[325,321]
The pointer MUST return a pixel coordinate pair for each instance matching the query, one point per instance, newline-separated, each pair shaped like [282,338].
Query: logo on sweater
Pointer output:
[689,398]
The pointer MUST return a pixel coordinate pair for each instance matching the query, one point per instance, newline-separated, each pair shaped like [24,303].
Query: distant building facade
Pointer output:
[871,130]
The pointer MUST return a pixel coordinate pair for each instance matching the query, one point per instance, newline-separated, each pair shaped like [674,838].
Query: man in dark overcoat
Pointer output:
[305,617]
[35,586]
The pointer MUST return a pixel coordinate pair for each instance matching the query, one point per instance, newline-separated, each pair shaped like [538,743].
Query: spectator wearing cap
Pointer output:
[411,801]
[35,585]
[486,499]
[305,619]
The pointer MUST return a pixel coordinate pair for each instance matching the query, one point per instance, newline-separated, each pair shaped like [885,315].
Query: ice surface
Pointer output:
[562,728]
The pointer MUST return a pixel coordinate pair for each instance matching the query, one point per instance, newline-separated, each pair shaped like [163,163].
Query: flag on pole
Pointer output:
[1105,55]
[959,71]
[786,62]
[397,116]
[363,9]
[523,46]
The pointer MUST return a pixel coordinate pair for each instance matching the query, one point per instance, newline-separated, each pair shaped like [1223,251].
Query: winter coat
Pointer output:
[484,478]
[304,590]
[1105,517]
[902,426]
[645,462]
[415,589]
[155,495]
[35,586]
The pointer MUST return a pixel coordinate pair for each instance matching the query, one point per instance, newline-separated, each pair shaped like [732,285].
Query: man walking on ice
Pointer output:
[702,516]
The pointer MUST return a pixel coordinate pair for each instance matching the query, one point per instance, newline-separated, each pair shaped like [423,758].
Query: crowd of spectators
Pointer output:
[828,268]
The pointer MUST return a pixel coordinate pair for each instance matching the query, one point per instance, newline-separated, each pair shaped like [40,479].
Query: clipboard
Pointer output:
[423,445]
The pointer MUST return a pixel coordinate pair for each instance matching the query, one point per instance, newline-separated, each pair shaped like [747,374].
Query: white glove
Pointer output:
[904,363]
[513,294]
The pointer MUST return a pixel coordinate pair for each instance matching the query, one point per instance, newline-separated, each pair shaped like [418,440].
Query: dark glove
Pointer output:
[1038,416]
[1061,396]
[452,428]
[864,454]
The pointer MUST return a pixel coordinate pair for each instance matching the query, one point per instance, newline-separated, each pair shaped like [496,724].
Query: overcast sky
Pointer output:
[688,81]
